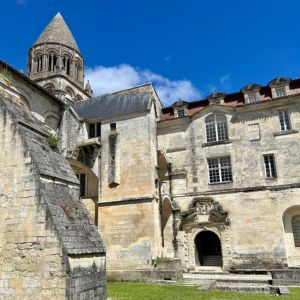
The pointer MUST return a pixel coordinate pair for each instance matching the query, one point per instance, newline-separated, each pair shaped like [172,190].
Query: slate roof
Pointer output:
[66,213]
[57,31]
[112,105]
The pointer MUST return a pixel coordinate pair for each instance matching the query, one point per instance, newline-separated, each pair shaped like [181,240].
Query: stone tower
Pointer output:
[55,62]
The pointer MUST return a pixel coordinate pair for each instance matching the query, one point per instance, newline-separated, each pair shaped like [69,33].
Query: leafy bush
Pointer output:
[53,140]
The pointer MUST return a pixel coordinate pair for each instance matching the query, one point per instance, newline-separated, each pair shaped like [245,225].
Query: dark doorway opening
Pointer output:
[208,249]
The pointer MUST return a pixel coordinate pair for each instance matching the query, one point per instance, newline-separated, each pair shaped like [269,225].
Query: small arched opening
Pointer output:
[69,93]
[52,61]
[208,251]
[67,64]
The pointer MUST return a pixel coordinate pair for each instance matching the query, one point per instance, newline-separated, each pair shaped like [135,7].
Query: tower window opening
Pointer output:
[39,63]
[52,61]
[78,69]
[67,64]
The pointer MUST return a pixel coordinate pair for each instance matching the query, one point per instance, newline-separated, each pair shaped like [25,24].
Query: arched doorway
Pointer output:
[208,249]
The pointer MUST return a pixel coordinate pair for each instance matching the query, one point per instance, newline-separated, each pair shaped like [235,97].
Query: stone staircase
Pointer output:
[215,278]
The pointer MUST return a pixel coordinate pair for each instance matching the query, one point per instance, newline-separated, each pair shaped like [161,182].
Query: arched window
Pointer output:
[78,98]
[296,230]
[39,62]
[78,69]
[52,61]
[69,93]
[216,128]
[49,87]
[67,64]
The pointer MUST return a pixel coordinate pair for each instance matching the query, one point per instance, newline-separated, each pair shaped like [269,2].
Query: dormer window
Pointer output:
[180,109]
[280,87]
[216,98]
[252,97]
[280,91]
[180,113]
[251,92]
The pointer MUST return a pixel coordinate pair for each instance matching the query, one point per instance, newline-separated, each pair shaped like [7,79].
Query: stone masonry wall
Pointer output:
[129,211]
[255,204]
[44,225]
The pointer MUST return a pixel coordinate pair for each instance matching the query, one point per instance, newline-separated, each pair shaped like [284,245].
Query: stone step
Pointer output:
[230,282]
[243,287]
[227,277]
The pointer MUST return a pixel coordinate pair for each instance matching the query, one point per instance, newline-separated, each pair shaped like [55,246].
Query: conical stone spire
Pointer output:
[58,31]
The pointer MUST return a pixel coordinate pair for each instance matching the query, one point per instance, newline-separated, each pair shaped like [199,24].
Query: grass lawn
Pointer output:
[144,291]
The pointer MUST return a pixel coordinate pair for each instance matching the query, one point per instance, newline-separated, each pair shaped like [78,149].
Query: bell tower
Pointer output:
[55,62]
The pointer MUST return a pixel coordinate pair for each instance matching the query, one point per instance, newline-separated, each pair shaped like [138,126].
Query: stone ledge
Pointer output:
[126,201]
[216,143]
[176,149]
[285,132]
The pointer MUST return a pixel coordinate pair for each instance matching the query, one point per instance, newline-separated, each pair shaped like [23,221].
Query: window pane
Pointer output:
[216,128]
[284,120]
[270,166]
[222,131]
[180,113]
[219,169]
[296,230]
[252,97]
[82,184]
[211,135]
[98,129]
[92,131]
[280,91]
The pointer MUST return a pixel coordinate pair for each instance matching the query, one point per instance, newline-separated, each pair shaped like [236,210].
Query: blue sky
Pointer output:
[187,48]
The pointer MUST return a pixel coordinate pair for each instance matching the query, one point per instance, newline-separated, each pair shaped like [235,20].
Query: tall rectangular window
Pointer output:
[280,91]
[284,120]
[270,167]
[94,130]
[219,169]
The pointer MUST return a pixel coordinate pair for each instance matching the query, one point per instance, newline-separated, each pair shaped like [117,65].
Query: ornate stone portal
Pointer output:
[203,214]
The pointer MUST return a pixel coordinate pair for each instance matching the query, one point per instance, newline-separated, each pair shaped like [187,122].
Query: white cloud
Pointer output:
[224,85]
[109,79]
[225,82]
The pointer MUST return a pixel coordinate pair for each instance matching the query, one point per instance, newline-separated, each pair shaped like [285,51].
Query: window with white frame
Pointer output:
[284,120]
[180,113]
[216,128]
[280,91]
[252,97]
[219,169]
[296,230]
[270,167]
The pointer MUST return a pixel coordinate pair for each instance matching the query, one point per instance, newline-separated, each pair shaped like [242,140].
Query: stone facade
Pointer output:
[50,246]
[209,183]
